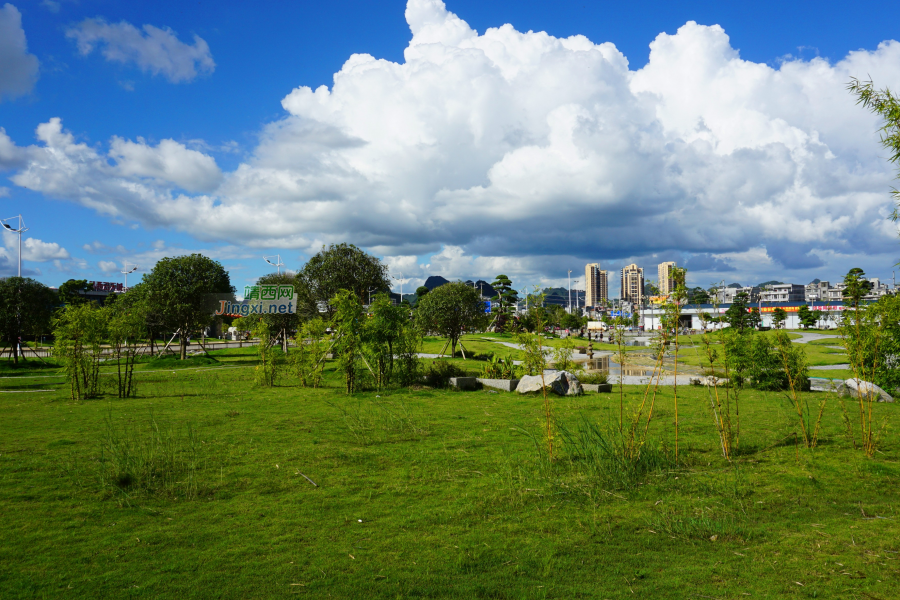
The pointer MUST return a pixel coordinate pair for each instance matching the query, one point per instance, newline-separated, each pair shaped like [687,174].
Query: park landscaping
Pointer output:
[206,485]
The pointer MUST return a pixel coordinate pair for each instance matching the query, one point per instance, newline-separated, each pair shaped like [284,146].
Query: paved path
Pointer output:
[829,367]
[807,337]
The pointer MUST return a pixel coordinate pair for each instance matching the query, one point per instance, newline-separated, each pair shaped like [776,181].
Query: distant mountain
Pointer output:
[734,285]
[484,287]
[814,281]
[773,282]
[435,281]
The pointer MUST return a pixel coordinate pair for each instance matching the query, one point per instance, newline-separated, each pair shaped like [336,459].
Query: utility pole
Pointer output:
[569,279]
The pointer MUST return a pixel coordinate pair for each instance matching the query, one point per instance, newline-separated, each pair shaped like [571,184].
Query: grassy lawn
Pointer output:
[428,493]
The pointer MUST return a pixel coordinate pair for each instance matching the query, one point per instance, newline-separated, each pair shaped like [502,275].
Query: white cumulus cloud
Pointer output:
[18,68]
[108,266]
[152,49]
[169,161]
[505,151]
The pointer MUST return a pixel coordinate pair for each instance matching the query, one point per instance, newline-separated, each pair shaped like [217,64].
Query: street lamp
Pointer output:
[19,231]
[400,279]
[125,271]
[277,264]
[569,279]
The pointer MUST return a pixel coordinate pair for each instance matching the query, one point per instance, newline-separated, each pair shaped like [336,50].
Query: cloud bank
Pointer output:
[152,49]
[18,68]
[506,146]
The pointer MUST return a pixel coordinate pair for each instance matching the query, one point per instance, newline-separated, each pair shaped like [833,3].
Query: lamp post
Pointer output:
[400,279]
[569,279]
[125,271]
[277,264]
[19,231]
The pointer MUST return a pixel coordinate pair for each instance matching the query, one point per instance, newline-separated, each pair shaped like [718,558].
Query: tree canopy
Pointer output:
[887,106]
[184,292]
[808,318]
[779,316]
[343,267]
[72,291]
[739,316]
[26,307]
[451,310]
[282,324]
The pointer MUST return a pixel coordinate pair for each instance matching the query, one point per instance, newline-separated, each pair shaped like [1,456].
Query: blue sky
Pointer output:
[461,152]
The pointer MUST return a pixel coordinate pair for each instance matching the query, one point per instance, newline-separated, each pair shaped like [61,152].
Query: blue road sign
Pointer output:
[487,307]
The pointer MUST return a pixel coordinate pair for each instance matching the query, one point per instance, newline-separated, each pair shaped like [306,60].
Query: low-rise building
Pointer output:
[817,291]
[728,294]
[783,292]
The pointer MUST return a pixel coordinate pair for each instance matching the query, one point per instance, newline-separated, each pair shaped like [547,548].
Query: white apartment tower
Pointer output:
[632,284]
[596,286]
[666,278]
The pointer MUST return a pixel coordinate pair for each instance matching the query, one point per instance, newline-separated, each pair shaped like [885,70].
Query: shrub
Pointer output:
[500,368]
[439,373]
[592,378]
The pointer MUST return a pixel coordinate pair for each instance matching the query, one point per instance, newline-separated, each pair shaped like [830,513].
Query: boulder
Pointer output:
[558,382]
[600,388]
[827,385]
[854,387]
[506,385]
[464,383]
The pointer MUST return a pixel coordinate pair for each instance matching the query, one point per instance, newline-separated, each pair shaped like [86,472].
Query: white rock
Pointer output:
[559,382]
[856,387]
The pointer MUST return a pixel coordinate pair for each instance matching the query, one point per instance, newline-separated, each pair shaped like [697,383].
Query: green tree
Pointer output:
[308,357]
[125,324]
[451,310]
[887,106]
[342,267]
[698,295]
[421,291]
[808,318]
[506,297]
[72,291]
[184,291]
[282,326]
[349,327]
[570,321]
[137,298]
[855,287]
[269,363]
[26,307]
[79,331]
[383,331]
[738,314]
[779,316]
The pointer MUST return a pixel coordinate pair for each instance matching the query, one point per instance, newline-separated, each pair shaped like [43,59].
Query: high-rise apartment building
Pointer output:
[596,286]
[666,278]
[632,284]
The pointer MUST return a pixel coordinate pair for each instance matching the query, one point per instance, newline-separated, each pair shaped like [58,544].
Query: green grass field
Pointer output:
[425,493]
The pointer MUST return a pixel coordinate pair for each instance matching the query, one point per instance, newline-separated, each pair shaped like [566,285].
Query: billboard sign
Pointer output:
[106,286]
[487,307]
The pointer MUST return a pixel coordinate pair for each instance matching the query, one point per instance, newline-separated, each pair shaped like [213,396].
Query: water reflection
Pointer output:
[606,365]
